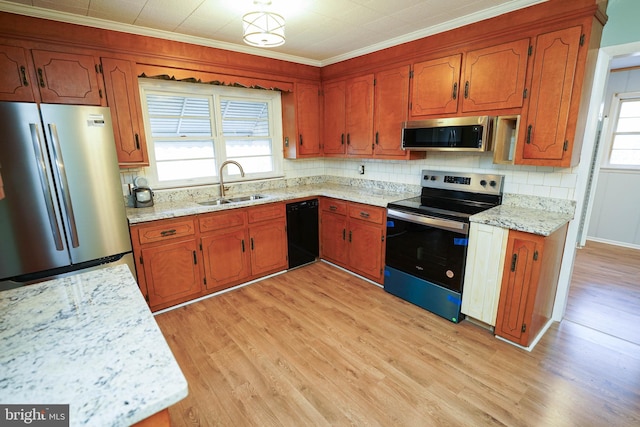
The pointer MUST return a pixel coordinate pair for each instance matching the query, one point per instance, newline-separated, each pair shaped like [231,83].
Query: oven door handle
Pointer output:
[445,224]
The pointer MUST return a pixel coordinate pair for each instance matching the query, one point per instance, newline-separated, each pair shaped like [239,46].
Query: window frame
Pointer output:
[215,93]
[614,115]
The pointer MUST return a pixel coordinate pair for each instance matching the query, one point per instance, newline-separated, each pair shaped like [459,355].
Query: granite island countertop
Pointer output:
[178,208]
[88,340]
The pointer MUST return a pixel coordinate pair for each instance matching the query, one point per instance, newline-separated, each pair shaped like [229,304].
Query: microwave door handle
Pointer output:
[46,185]
[64,184]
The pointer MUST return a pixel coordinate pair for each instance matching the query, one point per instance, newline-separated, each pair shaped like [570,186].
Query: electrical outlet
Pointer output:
[361,169]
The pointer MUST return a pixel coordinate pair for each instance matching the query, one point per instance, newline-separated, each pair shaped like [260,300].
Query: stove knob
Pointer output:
[483,182]
[493,183]
[433,178]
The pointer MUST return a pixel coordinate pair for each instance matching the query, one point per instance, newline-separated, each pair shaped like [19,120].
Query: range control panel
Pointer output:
[473,182]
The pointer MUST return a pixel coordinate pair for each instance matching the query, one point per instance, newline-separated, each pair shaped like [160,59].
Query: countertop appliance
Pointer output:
[427,238]
[63,208]
[302,232]
[142,194]
[473,133]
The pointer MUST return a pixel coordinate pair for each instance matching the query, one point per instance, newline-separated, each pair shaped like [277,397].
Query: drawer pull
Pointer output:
[166,233]
[333,208]
[364,214]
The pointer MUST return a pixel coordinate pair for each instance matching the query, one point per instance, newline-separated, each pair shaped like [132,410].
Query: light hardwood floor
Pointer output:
[317,346]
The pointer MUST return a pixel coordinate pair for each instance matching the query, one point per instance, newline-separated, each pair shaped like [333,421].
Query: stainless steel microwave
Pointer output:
[449,134]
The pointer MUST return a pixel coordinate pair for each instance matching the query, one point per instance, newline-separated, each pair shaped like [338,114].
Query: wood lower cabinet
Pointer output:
[529,284]
[123,97]
[352,236]
[268,238]
[167,262]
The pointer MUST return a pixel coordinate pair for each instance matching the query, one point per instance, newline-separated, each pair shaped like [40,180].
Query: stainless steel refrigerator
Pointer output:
[63,208]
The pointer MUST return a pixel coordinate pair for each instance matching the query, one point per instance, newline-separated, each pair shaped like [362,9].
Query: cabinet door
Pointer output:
[495,77]
[268,247]
[435,86]
[543,139]
[483,272]
[67,78]
[359,115]
[517,295]
[365,249]
[226,259]
[121,86]
[308,114]
[333,136]
[14,75]
[171,272]
[391,106]
[333,232]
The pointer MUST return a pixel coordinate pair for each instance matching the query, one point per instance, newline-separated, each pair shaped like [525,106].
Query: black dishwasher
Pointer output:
[302,232]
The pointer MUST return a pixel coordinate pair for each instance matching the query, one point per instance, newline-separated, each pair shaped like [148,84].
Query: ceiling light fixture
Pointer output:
[262,28]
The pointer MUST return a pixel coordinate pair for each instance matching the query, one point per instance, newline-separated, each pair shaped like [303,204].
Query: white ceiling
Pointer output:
[318,32]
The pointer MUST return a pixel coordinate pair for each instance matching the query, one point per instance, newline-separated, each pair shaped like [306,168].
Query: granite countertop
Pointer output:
[88,340]
[173,209]
[524,218]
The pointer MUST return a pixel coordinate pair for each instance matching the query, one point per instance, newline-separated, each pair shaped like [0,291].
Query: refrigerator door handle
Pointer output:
[64,184]
[45,184]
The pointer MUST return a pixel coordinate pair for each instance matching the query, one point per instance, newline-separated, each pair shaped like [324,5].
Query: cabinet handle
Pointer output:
[137,141]
[529,130]
[342,139]
[333,208]
[377,142]
[300,139]
[364,214]
[348,139]
[350,234]
[41,77]
[344,234]
[242,245]
[195,258]
[514,261]
[455,90]
[252,243]
[466,90]
[166,233]
[25,82]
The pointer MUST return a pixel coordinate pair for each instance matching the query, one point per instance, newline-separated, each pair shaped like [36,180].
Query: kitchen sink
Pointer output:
[238,199]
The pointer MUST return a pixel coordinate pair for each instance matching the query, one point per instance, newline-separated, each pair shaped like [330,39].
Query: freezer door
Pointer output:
[31,232]
[86,173]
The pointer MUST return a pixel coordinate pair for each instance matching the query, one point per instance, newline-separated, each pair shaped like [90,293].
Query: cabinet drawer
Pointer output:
[366,213]
[266,212]
[333,205]
[165,230]
[222,220]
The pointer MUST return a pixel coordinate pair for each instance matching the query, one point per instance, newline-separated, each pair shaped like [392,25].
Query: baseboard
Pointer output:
[614,243]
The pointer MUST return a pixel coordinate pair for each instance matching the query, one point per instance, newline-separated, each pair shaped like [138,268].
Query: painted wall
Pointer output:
[615,217]
[622,26]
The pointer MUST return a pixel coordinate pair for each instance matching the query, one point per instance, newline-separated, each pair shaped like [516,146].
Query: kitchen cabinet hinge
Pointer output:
[374,82]
[535,255]
[565,146]
[382,237]
[205,281]
[524,93]
[582,40]
[200,246]
[100,92]
[524,328]
[411,74]
[141,262]
[146,297]
[530,51]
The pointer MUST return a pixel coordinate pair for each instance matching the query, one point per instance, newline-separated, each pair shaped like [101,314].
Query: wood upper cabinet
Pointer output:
[333,128]
[435,86]
[548,121]
[359,115]
[15,80]
[167,262]
[390,111]
[123,97]
[68,78]
[352,236]
[495,77]
[301,121]
[529,284]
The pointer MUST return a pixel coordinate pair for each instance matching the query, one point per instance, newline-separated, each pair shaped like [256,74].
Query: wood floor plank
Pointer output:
[319,346]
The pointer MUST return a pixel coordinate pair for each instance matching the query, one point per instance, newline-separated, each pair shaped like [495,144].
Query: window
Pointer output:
[625,132]
[193,128]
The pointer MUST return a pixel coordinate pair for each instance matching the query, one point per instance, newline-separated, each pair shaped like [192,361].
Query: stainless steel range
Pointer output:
[427,238]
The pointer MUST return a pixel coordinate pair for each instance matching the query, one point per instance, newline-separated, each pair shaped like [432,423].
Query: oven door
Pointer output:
[432,249]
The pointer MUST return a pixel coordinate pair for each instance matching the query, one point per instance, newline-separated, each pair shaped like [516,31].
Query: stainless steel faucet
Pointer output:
[221,167]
